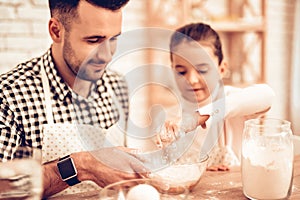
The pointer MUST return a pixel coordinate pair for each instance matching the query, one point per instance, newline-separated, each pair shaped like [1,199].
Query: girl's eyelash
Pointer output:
[202,71]
[181,73]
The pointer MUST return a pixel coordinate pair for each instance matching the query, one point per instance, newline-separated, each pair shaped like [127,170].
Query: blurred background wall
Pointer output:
[261,41]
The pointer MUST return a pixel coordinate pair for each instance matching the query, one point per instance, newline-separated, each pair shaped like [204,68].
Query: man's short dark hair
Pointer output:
[67,9]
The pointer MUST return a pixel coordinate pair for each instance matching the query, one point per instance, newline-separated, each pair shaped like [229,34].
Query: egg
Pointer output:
[143,191]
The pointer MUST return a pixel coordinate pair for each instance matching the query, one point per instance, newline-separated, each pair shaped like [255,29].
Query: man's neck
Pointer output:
[79,86]
[82,87]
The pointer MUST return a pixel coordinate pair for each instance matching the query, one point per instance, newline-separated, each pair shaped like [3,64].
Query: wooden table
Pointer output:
[228,185]
[214,185]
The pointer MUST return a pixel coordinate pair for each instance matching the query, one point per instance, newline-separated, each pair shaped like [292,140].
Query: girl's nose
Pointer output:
[194,77]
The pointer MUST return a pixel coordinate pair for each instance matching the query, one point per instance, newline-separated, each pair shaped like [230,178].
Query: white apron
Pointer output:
[61,139]
[211,140]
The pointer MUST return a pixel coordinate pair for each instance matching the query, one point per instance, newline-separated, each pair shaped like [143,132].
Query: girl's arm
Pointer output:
[252,100]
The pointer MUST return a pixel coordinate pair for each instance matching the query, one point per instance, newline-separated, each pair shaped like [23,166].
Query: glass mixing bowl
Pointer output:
[181,176]
[172,182]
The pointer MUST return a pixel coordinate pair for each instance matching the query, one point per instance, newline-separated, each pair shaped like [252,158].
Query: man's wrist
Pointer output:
[67,170]
[82,162]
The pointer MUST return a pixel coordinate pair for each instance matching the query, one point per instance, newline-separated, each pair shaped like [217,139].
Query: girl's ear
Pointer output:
[222,68]
[55,30]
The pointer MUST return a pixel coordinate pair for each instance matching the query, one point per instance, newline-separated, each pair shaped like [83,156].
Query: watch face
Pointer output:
[66,168]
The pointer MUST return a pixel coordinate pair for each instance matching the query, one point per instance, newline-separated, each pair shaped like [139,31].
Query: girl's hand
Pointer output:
[217,168]
[173,130]
[167,133]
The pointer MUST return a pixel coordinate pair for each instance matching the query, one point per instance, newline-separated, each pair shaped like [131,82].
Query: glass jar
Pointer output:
[22,178]
[267,159]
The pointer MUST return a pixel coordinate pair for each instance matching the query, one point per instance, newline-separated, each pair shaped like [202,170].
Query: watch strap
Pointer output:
[71,181]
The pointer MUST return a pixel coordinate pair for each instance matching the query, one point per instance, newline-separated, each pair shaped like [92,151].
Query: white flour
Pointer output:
[267,172]
[180,174]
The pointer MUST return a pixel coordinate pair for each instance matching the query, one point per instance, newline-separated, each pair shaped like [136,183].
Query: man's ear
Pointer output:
[55,30]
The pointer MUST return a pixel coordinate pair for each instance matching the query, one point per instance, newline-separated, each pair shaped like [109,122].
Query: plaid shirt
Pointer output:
[23,110]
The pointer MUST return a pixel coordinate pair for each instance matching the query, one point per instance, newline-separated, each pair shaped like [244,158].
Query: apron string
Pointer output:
[46,88]
[49,114]
[122,120]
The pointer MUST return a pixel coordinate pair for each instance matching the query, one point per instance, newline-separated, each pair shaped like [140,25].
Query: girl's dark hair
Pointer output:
[66,10]
[198,32]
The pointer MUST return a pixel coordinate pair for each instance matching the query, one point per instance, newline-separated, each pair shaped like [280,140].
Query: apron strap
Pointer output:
[46,88]
[49,114]
[122,120]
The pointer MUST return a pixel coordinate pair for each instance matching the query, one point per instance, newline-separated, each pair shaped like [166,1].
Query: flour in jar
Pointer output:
[267,172]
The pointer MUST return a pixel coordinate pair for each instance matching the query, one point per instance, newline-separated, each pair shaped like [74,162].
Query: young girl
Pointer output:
[197,59]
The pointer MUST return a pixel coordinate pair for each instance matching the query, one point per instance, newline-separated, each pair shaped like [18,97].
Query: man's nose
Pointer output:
[104,51]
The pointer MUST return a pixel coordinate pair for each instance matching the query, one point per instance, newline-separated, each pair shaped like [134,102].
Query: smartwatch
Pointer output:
[67,170]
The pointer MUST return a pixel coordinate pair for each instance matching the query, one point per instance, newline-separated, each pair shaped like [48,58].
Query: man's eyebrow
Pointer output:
[95,37]
[117,35]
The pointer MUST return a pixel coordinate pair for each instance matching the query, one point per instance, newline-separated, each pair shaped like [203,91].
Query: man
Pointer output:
[44,91]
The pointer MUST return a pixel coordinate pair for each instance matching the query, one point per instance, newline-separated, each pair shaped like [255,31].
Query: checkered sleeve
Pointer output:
[15,91]
[9,134]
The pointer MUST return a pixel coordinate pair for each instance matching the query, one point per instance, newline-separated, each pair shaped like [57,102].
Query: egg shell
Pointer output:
[143,191]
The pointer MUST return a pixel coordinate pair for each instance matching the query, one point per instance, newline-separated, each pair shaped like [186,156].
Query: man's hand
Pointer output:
[109,165]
